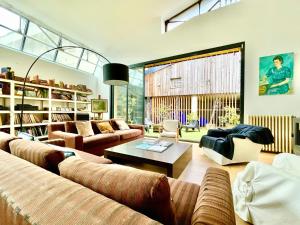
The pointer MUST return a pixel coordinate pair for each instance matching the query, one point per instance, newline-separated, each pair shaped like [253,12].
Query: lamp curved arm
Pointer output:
[56,48]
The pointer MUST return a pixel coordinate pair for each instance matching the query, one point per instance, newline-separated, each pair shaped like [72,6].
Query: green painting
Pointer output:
[276,74]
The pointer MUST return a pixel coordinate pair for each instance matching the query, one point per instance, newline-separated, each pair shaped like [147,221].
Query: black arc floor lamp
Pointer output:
[113,73]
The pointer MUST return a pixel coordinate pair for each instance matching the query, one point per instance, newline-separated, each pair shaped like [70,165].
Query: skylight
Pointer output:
[196,9]
[18,33]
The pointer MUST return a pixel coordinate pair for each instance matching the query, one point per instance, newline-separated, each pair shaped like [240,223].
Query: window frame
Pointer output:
[168,21]
[44,30]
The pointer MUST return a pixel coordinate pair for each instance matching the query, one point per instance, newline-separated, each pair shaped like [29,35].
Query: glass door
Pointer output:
[128,101]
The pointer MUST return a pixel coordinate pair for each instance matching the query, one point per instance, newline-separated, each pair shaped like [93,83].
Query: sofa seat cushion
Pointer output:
[99,139]
[146,192]
[169,134]
[127,134]
[92,158]
[184,196]
[4,141]
[83,155]
[37,153]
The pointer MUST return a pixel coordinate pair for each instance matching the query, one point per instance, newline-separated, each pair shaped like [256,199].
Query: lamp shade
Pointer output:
[115,74]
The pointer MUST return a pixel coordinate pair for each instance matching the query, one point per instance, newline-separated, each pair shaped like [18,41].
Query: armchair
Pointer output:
[269,194]
[194,124]
[170,130]
[242,143]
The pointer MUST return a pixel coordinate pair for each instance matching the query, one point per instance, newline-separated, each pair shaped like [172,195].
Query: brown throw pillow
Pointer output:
[105,127]
[143,191]
[84,128]
[37,153]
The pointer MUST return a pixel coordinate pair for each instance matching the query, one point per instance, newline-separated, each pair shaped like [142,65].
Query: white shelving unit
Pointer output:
[12,99]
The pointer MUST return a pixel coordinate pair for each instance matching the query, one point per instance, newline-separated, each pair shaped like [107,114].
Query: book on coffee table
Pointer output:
[154,145]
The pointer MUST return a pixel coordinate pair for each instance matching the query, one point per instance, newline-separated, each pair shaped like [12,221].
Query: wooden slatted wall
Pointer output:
[183,104]
[282,130]
[211,107]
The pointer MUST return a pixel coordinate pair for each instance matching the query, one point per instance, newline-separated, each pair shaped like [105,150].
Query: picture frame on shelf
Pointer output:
[99,105]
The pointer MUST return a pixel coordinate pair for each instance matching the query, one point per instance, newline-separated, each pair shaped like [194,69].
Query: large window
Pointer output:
[196,9]
[128,102]
[19,33]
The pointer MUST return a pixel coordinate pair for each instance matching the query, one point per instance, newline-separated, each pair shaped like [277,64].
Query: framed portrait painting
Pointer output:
[276,73]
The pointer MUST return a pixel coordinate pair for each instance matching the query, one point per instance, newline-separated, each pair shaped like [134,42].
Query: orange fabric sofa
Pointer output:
[97,143]
[29,194]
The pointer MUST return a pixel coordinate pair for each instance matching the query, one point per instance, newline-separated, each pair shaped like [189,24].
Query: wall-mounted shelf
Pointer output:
[32,98]
[10,100]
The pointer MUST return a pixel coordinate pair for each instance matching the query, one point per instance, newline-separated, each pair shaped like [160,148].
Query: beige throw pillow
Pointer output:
[122,125]
[84,128]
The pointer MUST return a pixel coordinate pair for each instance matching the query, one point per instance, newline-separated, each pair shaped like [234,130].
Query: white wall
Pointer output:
[268,27]
[20,63]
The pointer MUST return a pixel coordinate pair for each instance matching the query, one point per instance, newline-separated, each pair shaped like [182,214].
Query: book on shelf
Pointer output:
[27,118]
[61,117]
[36,131]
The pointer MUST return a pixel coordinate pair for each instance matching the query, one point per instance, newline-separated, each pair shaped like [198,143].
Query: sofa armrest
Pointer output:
[218,133]
[137,126]
[71,140]
[214,203]
[58,142]
[55,127]
[288,163]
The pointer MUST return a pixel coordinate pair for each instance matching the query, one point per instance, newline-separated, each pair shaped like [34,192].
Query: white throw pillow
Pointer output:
[122,125]
[84,128]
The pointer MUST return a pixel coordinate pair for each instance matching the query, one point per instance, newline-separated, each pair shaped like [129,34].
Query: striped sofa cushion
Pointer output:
[184,195]
[30,195]
[144,191]
[37,153]
[214,204]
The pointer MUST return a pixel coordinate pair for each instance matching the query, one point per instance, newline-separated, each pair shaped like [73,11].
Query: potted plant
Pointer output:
[191,116]
[231,118]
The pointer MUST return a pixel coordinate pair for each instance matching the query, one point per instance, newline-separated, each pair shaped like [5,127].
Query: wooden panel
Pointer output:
[281,128]
[212,75]
[210,107]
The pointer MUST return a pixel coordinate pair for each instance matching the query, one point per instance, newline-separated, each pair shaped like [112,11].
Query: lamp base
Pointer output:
[25,136]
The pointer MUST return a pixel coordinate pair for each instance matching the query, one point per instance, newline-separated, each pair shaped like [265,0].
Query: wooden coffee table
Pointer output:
[174,159]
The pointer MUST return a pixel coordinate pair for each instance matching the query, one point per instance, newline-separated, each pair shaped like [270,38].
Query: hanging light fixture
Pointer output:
[115,74]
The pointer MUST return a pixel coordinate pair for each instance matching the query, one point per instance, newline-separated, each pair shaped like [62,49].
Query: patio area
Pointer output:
[191,135]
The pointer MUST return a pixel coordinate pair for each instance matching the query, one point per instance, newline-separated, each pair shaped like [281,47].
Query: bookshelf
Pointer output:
[52,105]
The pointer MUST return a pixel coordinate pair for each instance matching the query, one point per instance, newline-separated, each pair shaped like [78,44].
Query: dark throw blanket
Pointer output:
[221,141]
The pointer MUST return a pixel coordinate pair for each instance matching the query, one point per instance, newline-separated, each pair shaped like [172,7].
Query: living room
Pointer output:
[159,49]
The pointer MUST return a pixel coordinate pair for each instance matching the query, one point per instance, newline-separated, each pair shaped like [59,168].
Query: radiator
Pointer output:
[282,130]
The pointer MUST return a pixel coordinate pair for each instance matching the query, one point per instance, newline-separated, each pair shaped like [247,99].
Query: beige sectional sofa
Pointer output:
[94,144]
[102,193]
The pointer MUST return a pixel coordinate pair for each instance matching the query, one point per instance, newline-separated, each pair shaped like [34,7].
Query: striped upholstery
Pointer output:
[37,153]
[214,204]
[30,195]
[4,141]
[144,191]
[184,196]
